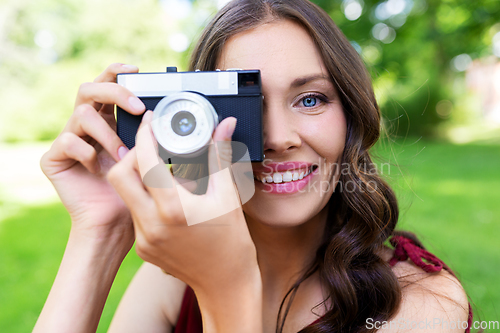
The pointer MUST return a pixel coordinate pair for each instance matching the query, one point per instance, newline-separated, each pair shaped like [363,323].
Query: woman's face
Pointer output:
[304,123]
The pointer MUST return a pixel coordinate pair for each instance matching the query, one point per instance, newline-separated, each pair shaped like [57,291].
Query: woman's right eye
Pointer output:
[312,101]
[309,102]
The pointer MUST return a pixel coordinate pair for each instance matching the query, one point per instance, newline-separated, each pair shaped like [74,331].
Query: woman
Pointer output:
[307,259]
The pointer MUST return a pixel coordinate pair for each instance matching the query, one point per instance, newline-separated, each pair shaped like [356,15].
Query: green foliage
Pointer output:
[49,47]
[413,72]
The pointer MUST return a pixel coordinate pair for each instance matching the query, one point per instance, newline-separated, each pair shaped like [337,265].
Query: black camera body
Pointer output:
[188,106]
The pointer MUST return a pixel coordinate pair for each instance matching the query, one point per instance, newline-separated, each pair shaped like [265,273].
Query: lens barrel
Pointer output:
[183,123]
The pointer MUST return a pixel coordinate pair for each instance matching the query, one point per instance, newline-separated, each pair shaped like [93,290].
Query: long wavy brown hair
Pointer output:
[361,217]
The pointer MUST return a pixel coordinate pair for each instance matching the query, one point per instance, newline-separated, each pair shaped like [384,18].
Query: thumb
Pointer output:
[225,130]
[220,156]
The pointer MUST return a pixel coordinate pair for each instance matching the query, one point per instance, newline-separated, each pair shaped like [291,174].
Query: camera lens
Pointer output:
[183,123]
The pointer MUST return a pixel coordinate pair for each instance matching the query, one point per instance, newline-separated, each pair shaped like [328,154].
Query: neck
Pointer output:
[285,253]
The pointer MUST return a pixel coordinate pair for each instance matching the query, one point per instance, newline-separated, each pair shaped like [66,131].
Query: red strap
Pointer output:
[405,248]
[469,320]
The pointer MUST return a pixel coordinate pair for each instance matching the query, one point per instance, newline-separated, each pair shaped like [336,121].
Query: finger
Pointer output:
[97,94]
[67,149]
[124,177]
[156,175]
[109,116]
[220,151]
[234,157]
[221,197]
[86,121]
[109,74]
[147,153]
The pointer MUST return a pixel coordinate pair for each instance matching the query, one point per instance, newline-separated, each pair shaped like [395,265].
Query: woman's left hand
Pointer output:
[217,258]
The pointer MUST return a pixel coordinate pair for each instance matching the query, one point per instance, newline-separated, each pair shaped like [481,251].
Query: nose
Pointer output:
[280,132]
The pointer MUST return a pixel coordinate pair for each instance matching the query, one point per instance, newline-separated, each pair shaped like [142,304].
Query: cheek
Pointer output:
[326,134]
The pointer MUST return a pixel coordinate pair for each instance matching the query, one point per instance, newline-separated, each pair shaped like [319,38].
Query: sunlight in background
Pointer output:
[461,62]
[383,33]
[22,182]
[352,9]
[387,9]
[221,3]
[45,39]
[176,9]
[178,42]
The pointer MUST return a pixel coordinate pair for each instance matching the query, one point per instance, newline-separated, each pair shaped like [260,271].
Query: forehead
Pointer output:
[282,47]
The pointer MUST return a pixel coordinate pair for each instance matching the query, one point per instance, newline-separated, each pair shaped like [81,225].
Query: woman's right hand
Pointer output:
[80,157]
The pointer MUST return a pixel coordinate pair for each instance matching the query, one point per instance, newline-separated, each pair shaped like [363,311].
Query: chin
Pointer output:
[286,212]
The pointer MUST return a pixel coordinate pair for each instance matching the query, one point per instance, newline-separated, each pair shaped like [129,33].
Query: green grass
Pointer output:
[31,248]
[449,196]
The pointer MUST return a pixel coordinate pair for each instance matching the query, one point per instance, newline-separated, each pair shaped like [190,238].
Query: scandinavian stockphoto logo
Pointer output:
[441,324]
[328,177]
[230,178]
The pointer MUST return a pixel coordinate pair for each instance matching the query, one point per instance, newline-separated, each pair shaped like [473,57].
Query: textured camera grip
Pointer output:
[126,126]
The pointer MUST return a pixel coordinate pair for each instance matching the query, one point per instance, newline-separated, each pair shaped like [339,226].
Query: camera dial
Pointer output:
[183,123]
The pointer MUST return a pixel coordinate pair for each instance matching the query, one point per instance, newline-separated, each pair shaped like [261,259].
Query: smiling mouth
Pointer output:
[284,177]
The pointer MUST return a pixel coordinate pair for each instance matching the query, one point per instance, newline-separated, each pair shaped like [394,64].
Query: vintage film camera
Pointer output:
[188,106]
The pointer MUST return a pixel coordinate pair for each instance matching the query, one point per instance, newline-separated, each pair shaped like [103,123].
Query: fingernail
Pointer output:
[130,67]
[136,103]
[122,151]
[148,116]
[230,129]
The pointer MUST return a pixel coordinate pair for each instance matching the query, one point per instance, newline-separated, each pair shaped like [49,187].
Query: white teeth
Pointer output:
[287,176]
[277,177]
[308,172]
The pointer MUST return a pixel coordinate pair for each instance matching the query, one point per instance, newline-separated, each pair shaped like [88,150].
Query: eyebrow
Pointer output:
[304,80]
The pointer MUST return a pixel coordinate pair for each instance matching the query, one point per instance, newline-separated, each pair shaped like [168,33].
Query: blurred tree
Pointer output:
[411,49]
[49,47]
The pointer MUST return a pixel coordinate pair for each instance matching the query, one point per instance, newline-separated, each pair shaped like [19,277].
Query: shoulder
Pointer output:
[435,301]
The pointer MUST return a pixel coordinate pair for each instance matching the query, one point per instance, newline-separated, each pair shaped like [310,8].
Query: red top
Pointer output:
[190,317]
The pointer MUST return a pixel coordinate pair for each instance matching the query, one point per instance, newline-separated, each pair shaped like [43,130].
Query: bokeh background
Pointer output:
[436,72]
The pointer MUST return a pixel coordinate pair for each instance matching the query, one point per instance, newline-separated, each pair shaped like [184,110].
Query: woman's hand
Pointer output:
[81,156]
[217,258]
[102,232]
